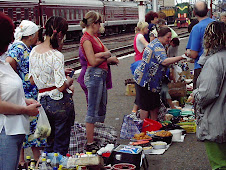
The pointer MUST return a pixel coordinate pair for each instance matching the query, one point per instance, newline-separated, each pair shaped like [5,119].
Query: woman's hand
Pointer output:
[32,109]
[113,60]
[31,101]
[68,71]
[72,88]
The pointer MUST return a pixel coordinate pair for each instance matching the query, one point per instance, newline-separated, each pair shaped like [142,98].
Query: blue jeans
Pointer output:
[61,116]
[10,146]
[95,81]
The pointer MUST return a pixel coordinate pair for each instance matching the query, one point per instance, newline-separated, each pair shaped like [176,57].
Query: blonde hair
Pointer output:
[140,26]
[90,18]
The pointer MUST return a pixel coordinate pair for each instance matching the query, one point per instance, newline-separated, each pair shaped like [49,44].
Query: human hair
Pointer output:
[163,31]
[53,26]
[176,41]
[161,15]
[203,12]
[140,26]
[6,32]
[215,37]
[150,16]
[223,14]
[90,18]
[161,21]
[192,24]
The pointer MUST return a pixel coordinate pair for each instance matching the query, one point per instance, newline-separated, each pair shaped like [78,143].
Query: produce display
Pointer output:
[141,136]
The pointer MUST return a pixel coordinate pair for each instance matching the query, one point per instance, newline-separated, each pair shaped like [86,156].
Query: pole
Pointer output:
[155,5]
[40,13]
[211,8]
[141,9]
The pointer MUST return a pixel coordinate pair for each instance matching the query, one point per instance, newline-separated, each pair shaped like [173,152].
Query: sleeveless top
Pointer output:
[138,54]
[96,48]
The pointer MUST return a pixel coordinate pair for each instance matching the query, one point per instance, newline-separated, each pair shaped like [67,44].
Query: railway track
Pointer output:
[118,52]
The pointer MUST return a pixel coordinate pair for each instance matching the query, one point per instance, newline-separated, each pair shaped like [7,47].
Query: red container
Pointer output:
[151,125]
[124,166]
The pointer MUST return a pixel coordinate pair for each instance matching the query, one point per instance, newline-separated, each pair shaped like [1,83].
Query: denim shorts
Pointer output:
[95,81]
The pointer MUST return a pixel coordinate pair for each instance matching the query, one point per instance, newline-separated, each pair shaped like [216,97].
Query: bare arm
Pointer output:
[193,54]
[14,109]
[143,41]
[12,62]
[171,60]
[66,84]
[90,54]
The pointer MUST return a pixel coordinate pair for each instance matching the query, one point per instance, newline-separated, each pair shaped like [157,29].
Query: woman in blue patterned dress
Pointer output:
[150,72]
[26,35]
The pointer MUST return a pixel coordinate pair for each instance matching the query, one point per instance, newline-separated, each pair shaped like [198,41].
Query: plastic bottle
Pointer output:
[60,167]
[49,164]
[32,164]
[43,155]
[28,162]
[43,166]
[64,160]
[55,161]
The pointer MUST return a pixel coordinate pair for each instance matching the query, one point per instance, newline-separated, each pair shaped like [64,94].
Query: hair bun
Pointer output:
[84,20]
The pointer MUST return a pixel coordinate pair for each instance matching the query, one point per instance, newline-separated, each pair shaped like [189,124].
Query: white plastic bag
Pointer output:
[177,71]
[43,128]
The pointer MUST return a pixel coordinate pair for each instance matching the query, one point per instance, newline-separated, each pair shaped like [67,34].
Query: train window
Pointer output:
[77,14]
[54,12]
[81,14]
[68,14]
[62,13]
[57,12]
[1,10]
[18,14]
[36,15]
[10,13]
[72,14]
[26,13]
[32,14]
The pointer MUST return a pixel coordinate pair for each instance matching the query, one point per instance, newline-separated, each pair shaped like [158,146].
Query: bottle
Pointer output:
[32,164]
[55,161]
[60,167]
[43,155]
[49,164]
[64,160]
[28,162]
[43,166]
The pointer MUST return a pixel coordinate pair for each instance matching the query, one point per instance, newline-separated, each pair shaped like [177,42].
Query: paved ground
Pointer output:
[189,155]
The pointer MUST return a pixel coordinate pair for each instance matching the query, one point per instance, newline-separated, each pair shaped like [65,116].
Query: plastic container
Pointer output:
[159,145]
[175,112]
[190,127]
[167,139]
[124,166]
[151,125]
[176,134]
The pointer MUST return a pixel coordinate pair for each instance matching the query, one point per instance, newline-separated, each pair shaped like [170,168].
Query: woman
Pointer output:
[14,108]
[150,72]
[47,72]
[210,95]
[26,36]
[96,73]
[139,44]
[152,19]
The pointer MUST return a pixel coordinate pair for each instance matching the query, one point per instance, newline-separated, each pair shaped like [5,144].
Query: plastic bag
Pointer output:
[43,128]
[177,71]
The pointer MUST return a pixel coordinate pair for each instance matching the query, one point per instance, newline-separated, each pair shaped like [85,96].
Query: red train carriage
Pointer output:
[118,16]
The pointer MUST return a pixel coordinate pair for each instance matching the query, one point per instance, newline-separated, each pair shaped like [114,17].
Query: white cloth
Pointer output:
[47,70]
[11,90]
[140,45]
[25,28]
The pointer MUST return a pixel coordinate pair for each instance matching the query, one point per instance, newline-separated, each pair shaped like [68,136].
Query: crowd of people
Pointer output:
[35,65]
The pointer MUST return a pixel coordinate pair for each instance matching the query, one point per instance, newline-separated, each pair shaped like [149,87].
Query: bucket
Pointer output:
[124,166]
[176,134]
[151,125]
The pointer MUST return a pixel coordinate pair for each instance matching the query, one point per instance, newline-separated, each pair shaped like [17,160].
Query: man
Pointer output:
[223,17]
[196,37]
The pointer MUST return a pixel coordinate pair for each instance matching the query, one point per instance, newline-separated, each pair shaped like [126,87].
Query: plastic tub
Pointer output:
[175,112]
[124,166]
[151,125]
[176,134]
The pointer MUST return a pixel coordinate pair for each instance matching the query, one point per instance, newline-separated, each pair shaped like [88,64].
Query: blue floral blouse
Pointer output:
[20,52]
[150,70]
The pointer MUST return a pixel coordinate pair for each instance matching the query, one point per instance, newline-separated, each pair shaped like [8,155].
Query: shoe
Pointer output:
[93,147]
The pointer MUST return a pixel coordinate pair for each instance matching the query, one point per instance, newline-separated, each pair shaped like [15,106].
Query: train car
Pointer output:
[183,14]
[118,16]
[20,10]
[170,14]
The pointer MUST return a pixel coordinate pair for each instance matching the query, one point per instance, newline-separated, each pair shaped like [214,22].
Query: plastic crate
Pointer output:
[190,127]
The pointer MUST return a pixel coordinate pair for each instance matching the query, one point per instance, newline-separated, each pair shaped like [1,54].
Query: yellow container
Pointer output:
[190,127]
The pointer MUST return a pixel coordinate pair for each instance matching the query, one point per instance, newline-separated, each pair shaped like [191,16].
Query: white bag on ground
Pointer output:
[43,128]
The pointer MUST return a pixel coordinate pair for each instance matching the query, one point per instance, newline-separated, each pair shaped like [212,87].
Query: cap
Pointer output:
[55,154]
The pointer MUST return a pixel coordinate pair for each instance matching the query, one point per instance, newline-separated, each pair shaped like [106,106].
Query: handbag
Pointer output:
[134,66]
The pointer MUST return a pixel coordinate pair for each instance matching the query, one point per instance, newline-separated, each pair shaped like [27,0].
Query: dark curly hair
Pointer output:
[150,16]
[6,32]
[215,37]
[53,26]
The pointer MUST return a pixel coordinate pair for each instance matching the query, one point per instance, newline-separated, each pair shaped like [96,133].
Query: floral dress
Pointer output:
[20,53]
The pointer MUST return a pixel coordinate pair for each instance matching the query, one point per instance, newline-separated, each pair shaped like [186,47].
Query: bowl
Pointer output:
[174,112]
[176,134]
[159,145]
[167,139]
[148,149]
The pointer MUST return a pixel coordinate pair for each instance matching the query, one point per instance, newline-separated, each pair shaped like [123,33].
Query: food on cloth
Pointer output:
[163,133]
[141,136]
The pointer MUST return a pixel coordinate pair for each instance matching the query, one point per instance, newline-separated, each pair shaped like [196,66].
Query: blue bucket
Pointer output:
[175,112]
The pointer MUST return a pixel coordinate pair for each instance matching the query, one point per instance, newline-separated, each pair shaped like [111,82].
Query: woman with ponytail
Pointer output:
[55,88]
[96,73]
